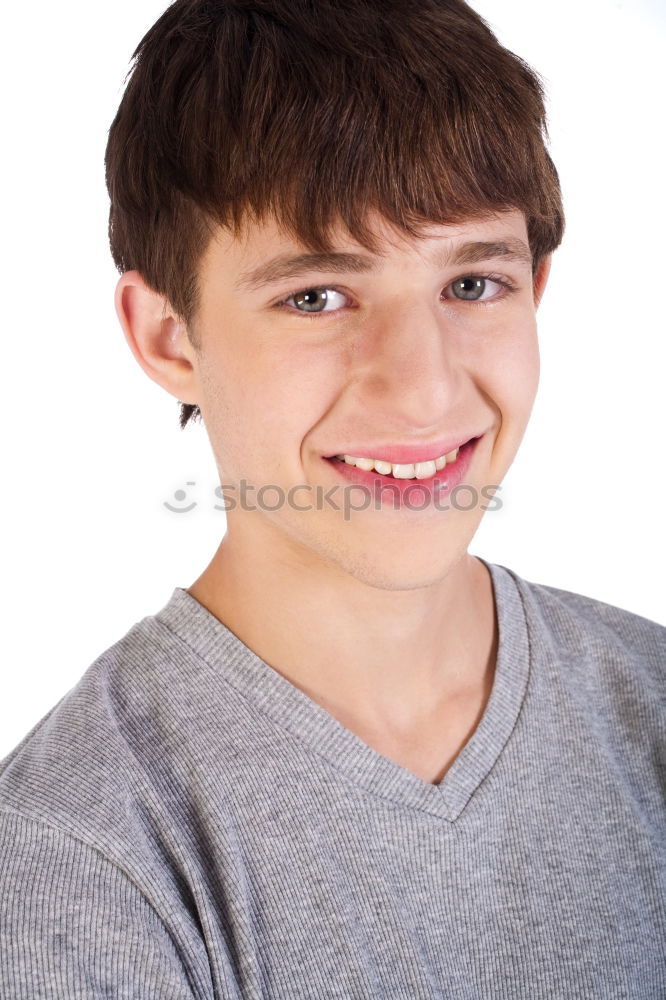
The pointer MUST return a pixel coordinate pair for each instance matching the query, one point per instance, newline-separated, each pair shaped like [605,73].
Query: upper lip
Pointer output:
[406,454]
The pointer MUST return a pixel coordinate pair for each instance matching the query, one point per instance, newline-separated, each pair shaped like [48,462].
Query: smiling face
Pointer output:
[432,342]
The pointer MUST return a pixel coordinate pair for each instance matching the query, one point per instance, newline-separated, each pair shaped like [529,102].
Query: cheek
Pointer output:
[521,374]
[506,371]
[514,365]
[509,382]
[529,365]
[260,404]
[304,390]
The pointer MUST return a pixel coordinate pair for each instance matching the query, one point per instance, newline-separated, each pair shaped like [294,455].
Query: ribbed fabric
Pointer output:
[186,823]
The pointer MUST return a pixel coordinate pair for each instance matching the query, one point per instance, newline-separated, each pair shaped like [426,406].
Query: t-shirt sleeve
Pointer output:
[73,925]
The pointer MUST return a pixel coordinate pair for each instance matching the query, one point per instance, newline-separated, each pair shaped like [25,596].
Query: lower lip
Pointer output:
[419,492]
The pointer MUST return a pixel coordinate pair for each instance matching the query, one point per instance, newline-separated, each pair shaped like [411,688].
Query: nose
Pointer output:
[406,366]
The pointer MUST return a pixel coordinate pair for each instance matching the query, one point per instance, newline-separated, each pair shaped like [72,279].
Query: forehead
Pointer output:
[265,250]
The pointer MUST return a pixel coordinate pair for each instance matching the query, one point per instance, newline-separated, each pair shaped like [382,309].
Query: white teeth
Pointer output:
[383,467]
[423,470]
[417,470]
[403,471]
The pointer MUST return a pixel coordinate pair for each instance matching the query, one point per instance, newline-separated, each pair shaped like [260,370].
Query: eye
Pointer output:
[315,300]
[472,287]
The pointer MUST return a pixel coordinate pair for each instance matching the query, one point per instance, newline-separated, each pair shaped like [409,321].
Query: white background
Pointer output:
[92,447]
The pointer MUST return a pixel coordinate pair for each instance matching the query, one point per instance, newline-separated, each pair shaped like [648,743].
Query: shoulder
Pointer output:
[84,765]
[86,835]
[596,642]
[578,618]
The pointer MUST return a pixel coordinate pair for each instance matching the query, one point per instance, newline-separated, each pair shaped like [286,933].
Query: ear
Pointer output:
[540,279]
[156,336]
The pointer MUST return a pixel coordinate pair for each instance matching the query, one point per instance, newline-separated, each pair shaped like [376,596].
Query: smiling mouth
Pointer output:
[405,471]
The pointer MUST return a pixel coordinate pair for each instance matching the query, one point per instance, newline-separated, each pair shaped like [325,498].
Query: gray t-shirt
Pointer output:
[186,822]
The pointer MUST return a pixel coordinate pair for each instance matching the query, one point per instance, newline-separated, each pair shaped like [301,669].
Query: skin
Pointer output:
[384,619]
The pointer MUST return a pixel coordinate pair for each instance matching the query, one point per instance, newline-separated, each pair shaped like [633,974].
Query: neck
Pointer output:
[377,659]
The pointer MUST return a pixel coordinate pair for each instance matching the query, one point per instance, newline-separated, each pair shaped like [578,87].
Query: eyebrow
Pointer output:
[295,266]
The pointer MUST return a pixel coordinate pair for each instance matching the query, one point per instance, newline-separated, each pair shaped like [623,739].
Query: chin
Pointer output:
[390,571]
[380,579]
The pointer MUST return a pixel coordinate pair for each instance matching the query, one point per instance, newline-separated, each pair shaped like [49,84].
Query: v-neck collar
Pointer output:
[273,694]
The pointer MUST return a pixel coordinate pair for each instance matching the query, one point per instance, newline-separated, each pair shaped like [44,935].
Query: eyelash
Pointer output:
[508,286]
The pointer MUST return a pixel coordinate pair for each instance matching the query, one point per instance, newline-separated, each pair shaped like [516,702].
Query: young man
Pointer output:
[351,760]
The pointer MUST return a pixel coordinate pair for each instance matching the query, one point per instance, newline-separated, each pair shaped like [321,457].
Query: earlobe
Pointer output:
[541,279]
[156,336]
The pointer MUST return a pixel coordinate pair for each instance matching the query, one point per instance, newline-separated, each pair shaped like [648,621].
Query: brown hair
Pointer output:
[316,111]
